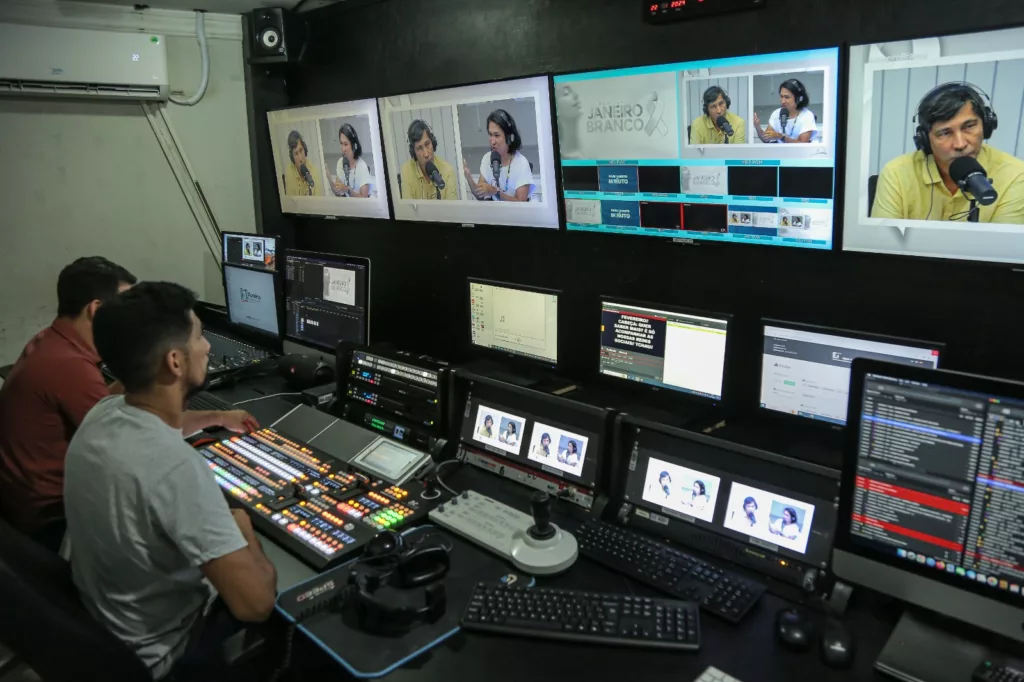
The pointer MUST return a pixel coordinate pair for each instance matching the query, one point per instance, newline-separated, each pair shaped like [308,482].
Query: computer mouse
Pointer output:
[837,646]
[794,629]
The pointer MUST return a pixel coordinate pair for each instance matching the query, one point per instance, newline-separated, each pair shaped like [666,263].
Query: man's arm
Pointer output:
[245,579]
[82,386]
[697,132]
[451,190]
[888,197]
[741,133]
[238,421]
[1010,207]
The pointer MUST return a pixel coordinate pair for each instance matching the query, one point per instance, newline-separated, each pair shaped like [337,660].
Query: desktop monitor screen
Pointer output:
[329,161]
[251,297]
[915,106]
[805,370]
[512,319]
[736,150]
[674,349]
[249,250]
[327,299]
[476,154]
[931,499]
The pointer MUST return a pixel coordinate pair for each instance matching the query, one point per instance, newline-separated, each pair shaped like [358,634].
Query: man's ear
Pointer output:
[174,361]
[91,308]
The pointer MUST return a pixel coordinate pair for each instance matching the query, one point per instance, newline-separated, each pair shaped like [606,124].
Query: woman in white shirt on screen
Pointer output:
[698,496]
[571,455]
[785,525]
[353,175]
[515,174]
[508,436]
[800,125]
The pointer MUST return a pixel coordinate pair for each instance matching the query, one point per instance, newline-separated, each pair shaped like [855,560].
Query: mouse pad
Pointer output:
[369,656]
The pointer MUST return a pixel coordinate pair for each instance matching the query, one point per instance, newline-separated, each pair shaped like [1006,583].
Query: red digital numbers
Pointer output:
[677,3]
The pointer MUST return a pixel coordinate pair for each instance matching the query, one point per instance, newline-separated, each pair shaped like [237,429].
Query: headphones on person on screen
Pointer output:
[973,94]
[416,130]
[294,138]
[348,131]
[712,93]
[798,90]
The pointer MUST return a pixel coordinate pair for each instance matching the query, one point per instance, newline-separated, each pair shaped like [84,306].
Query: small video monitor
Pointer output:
[557,448]
[769,517]
[805,370]
[251,297]
[329,161]
[514,320]
[327,299]
[935,165]
[688,491]
[664,347]
[249,250]
[499,429]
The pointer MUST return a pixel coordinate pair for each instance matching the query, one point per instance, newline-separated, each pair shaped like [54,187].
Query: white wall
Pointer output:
[88,178]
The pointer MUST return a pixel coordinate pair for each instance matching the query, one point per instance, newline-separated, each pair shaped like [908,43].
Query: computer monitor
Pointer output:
[931,503]
[249,250]
[664,347]
[327,299]
[514,320]
[251,297]
[805,369]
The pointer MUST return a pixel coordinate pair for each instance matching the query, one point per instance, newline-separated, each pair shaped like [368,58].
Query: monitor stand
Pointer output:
[926,647]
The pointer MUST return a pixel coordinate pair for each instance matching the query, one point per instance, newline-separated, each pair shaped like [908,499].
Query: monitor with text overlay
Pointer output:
[514,320]
[327,299]
[251,297]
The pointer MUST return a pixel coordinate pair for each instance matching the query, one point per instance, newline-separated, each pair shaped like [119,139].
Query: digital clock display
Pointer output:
[677,10]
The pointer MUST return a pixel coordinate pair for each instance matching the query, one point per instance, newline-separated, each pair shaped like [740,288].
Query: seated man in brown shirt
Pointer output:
[55,382]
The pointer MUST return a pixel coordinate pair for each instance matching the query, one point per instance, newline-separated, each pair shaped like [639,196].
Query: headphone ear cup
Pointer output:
[991,122]
[921,140]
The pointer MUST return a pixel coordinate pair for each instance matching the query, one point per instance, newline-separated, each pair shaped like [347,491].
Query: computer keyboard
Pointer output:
[713,674]
[204,400]
[482,520]
[591,617]
[671,570]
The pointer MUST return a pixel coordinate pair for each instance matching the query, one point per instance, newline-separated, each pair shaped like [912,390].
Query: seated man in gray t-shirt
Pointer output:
[150,529]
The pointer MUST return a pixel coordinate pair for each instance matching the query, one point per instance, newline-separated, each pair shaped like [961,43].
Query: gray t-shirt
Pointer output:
[144,512]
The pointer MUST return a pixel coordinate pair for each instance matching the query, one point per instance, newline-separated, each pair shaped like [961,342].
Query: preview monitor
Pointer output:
[664,347]
[478,154]
[329,161]
[251,297]
[249,250]
[514,319]
[327,299]
[805,370]
[740,149]
[936,156]
[931,504]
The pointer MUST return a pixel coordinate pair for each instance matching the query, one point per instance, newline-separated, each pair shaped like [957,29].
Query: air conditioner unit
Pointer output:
[70,62]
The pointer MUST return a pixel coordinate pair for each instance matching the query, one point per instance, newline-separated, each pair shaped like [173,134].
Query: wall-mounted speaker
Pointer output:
[276,36]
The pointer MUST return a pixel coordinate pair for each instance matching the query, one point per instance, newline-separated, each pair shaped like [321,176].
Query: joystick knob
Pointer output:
[540,506]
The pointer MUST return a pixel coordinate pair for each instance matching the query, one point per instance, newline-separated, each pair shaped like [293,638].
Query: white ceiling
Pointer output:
[222,6]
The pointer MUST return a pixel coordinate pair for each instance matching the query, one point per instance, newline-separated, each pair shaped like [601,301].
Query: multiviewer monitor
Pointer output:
[664,347]
[327,299]
[738,150]
[477,154]
[514,319]
[805,370]
[251,297]
[249,250]
[931,498]
[930,118]
[329,161]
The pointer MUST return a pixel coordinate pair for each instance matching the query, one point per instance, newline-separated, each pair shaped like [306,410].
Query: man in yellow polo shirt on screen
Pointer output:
[426,176]
[707,129]
[953,121]
[301,176]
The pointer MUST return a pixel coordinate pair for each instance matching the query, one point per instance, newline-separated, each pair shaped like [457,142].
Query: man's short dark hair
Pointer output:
[946,101]
[415,133]
[712,94]
[89,279]
[135,330]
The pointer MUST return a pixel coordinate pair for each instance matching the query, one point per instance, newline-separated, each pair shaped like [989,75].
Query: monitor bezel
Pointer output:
[509,356]
[275,237]
[643,387]
[359,260]
[833,331]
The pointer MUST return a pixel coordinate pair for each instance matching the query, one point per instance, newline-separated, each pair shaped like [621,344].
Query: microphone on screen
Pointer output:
[783,120]
[723,124]
[970,176]
[496,166]
[306,175]
[346,167]
[434,175]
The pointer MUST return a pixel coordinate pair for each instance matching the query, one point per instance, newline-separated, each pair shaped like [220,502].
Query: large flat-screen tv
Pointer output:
[935,165]
[740,149]
[478,154]
[328,160]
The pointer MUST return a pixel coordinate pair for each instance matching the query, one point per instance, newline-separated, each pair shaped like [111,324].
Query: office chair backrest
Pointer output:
[45,624]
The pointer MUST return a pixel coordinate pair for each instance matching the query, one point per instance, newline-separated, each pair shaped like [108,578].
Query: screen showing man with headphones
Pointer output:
[480,154]
[328,159]
[936,164]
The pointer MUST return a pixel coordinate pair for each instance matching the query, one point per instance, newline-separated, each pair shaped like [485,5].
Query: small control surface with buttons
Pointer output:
[987,671]
[713,674]
[482,520]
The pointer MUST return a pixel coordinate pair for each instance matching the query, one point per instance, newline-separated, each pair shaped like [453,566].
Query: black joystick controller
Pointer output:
[540,506]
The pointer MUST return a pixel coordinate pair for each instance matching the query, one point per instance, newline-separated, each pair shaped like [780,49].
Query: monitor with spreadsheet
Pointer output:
[514,319]
[251,297]
[327,299]
[933,492]
[805,370]
[664,347]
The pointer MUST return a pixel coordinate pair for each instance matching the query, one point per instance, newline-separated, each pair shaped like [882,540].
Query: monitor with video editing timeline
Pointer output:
[932,496]
[514,320]
[665,347]
[249,250]
[251,297]
[327,299]
[740,149]
[805,369]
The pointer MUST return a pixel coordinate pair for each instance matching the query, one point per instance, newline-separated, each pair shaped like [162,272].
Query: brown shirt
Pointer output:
[55,382]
